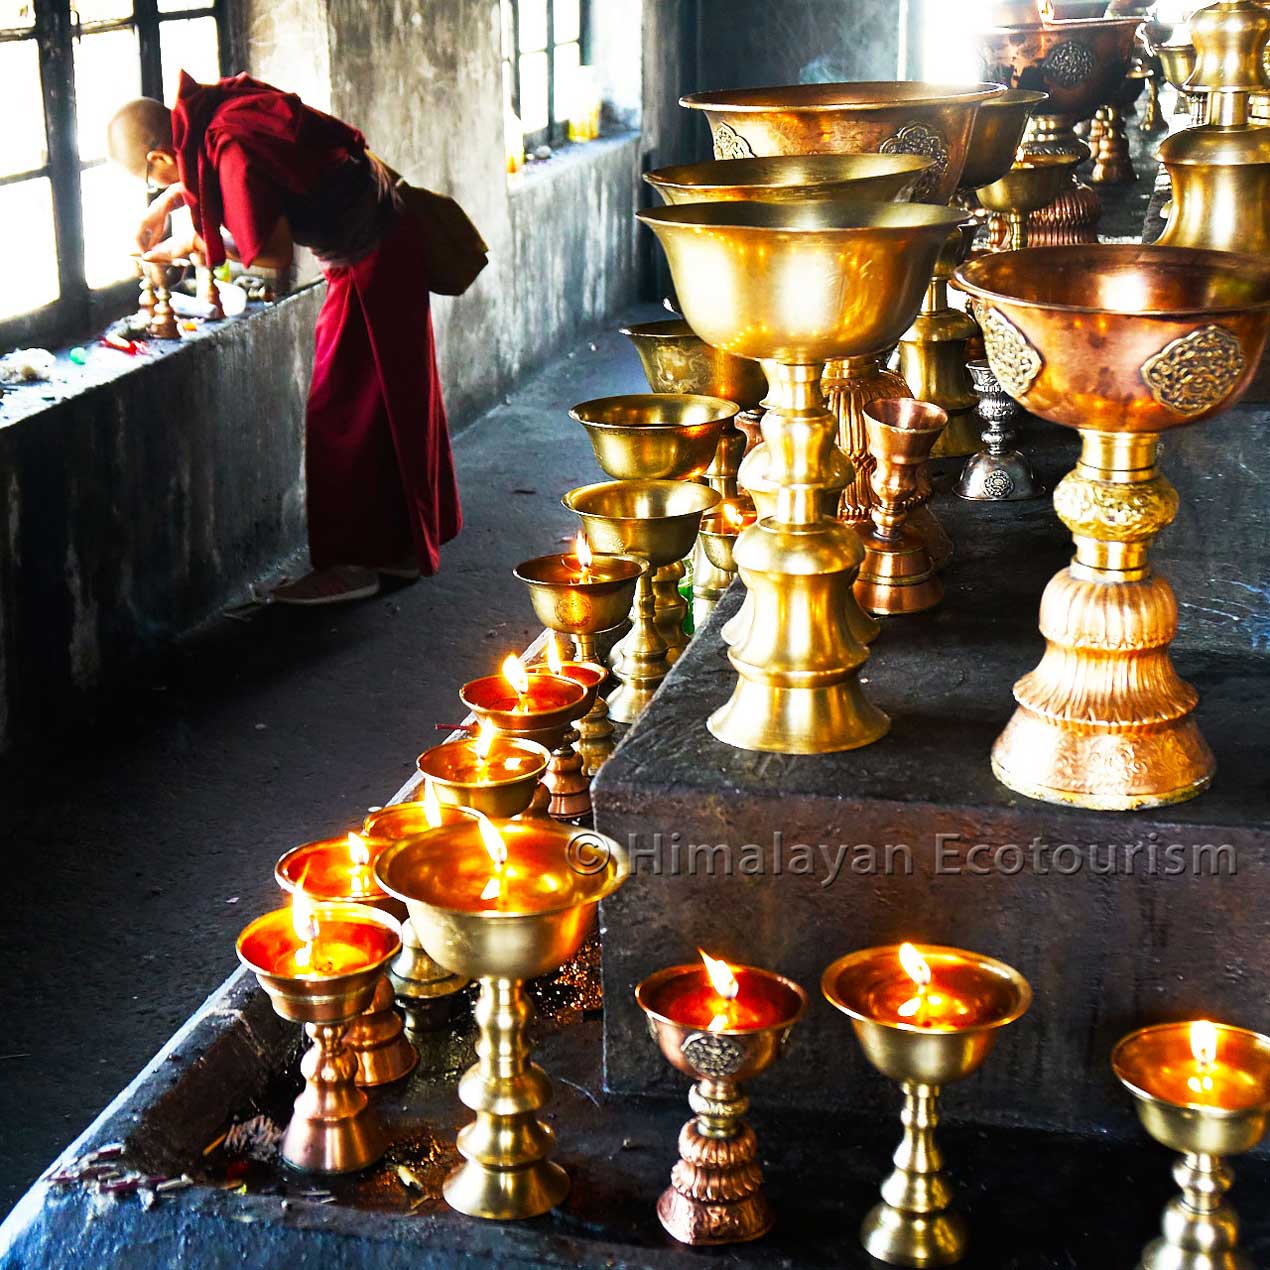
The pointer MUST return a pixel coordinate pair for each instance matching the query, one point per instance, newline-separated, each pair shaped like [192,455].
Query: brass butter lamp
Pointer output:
[1030,184]
[878,117]
[1123,343]
[796,284]
[1203,1090]
[925,1017]
[1220,171]
[503,911]
[320,969]
[677,360]
[657,436]
[932,352]
[655,521]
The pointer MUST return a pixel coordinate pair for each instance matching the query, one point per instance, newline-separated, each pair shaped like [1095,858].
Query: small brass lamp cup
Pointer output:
[898,575]
[716,1191]
[1204,1123]
[502,784]
[914,1225]
[656,521]
[507,1173]
[333,1129]
[1032,183]
[322,871]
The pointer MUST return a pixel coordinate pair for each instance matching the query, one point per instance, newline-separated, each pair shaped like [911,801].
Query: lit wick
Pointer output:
[1204,1051]
[304,920]
[484,743]
[733,515]
[496,849]
[513,670]
[918,970]
[582,549]
[431,805]
[555,662]
[726,987]
[359,857]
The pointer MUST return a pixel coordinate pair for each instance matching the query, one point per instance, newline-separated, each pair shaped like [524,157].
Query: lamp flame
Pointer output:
[484,742]
[733,515]
[1204,1042]
[722,980]
[1045,10]
[493,842]
[915,965]
[304,920]
[582,549]
[513,670]
[431,805]
[358,850]
[555,663]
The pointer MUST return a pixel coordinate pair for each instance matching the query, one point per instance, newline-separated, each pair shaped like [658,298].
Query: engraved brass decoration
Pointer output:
[1015,362]
[1196,372]
[713,1055]
[729,144]
[920,138]
[1069,64]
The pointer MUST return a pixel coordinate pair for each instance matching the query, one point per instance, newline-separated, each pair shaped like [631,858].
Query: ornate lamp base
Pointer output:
[1104,721]
[377,1039]
[1201,1230]
[716,1193]
[640,660]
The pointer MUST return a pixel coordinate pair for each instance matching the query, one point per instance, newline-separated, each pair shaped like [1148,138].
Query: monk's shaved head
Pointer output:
[136,130]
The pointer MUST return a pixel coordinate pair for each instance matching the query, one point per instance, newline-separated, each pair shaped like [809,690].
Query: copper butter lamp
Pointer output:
[925,1017]
[720,1025]
[501,902]
[1201,1089]
[878,117]
[1122,343]
[795,284]
[320,964]
[338,870]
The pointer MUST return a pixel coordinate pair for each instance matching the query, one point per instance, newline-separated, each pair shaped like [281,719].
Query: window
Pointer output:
[543,47]
[65,67]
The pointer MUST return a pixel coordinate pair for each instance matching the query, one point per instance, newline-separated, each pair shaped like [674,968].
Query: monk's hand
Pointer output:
[152,228]
[171,249]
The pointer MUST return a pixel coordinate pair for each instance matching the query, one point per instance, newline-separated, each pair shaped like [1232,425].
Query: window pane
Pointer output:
[22,145]
[16,14]
[102,10]
[107,74]
[568,21]
[30,275]
[533,25]
[189,46]
[533,91]
[114,203]
[568,59]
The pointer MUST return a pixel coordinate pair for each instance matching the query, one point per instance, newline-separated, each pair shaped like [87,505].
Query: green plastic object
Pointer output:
[79,355]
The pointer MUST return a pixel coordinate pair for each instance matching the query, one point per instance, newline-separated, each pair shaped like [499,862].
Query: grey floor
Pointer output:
[135,850]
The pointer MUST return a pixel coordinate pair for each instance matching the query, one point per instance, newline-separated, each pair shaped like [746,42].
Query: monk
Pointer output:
[256,162]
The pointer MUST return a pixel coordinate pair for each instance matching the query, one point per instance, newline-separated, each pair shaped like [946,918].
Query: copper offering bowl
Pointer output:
[557,703]
[654,436]
[677,360]
[457,779]
[1080,64]
[1123,343]
[998,131]
[793,178]
[877,117]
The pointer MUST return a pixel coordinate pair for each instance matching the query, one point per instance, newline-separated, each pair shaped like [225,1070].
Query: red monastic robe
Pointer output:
[381,485]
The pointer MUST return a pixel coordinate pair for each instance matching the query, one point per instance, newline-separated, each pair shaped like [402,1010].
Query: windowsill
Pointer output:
[106,365]
[573,154]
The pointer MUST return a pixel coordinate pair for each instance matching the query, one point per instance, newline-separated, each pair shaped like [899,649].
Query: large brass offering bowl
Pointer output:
[654,436]
[1086,336]
[677,359]
[1080,64]
[801,283]
[877,117]
[657,520]
[564,600]
[998,130]
[1122,343]
[794,178]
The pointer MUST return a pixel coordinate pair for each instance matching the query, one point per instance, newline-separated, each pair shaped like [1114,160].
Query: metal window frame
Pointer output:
[556,131]
[78,308]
